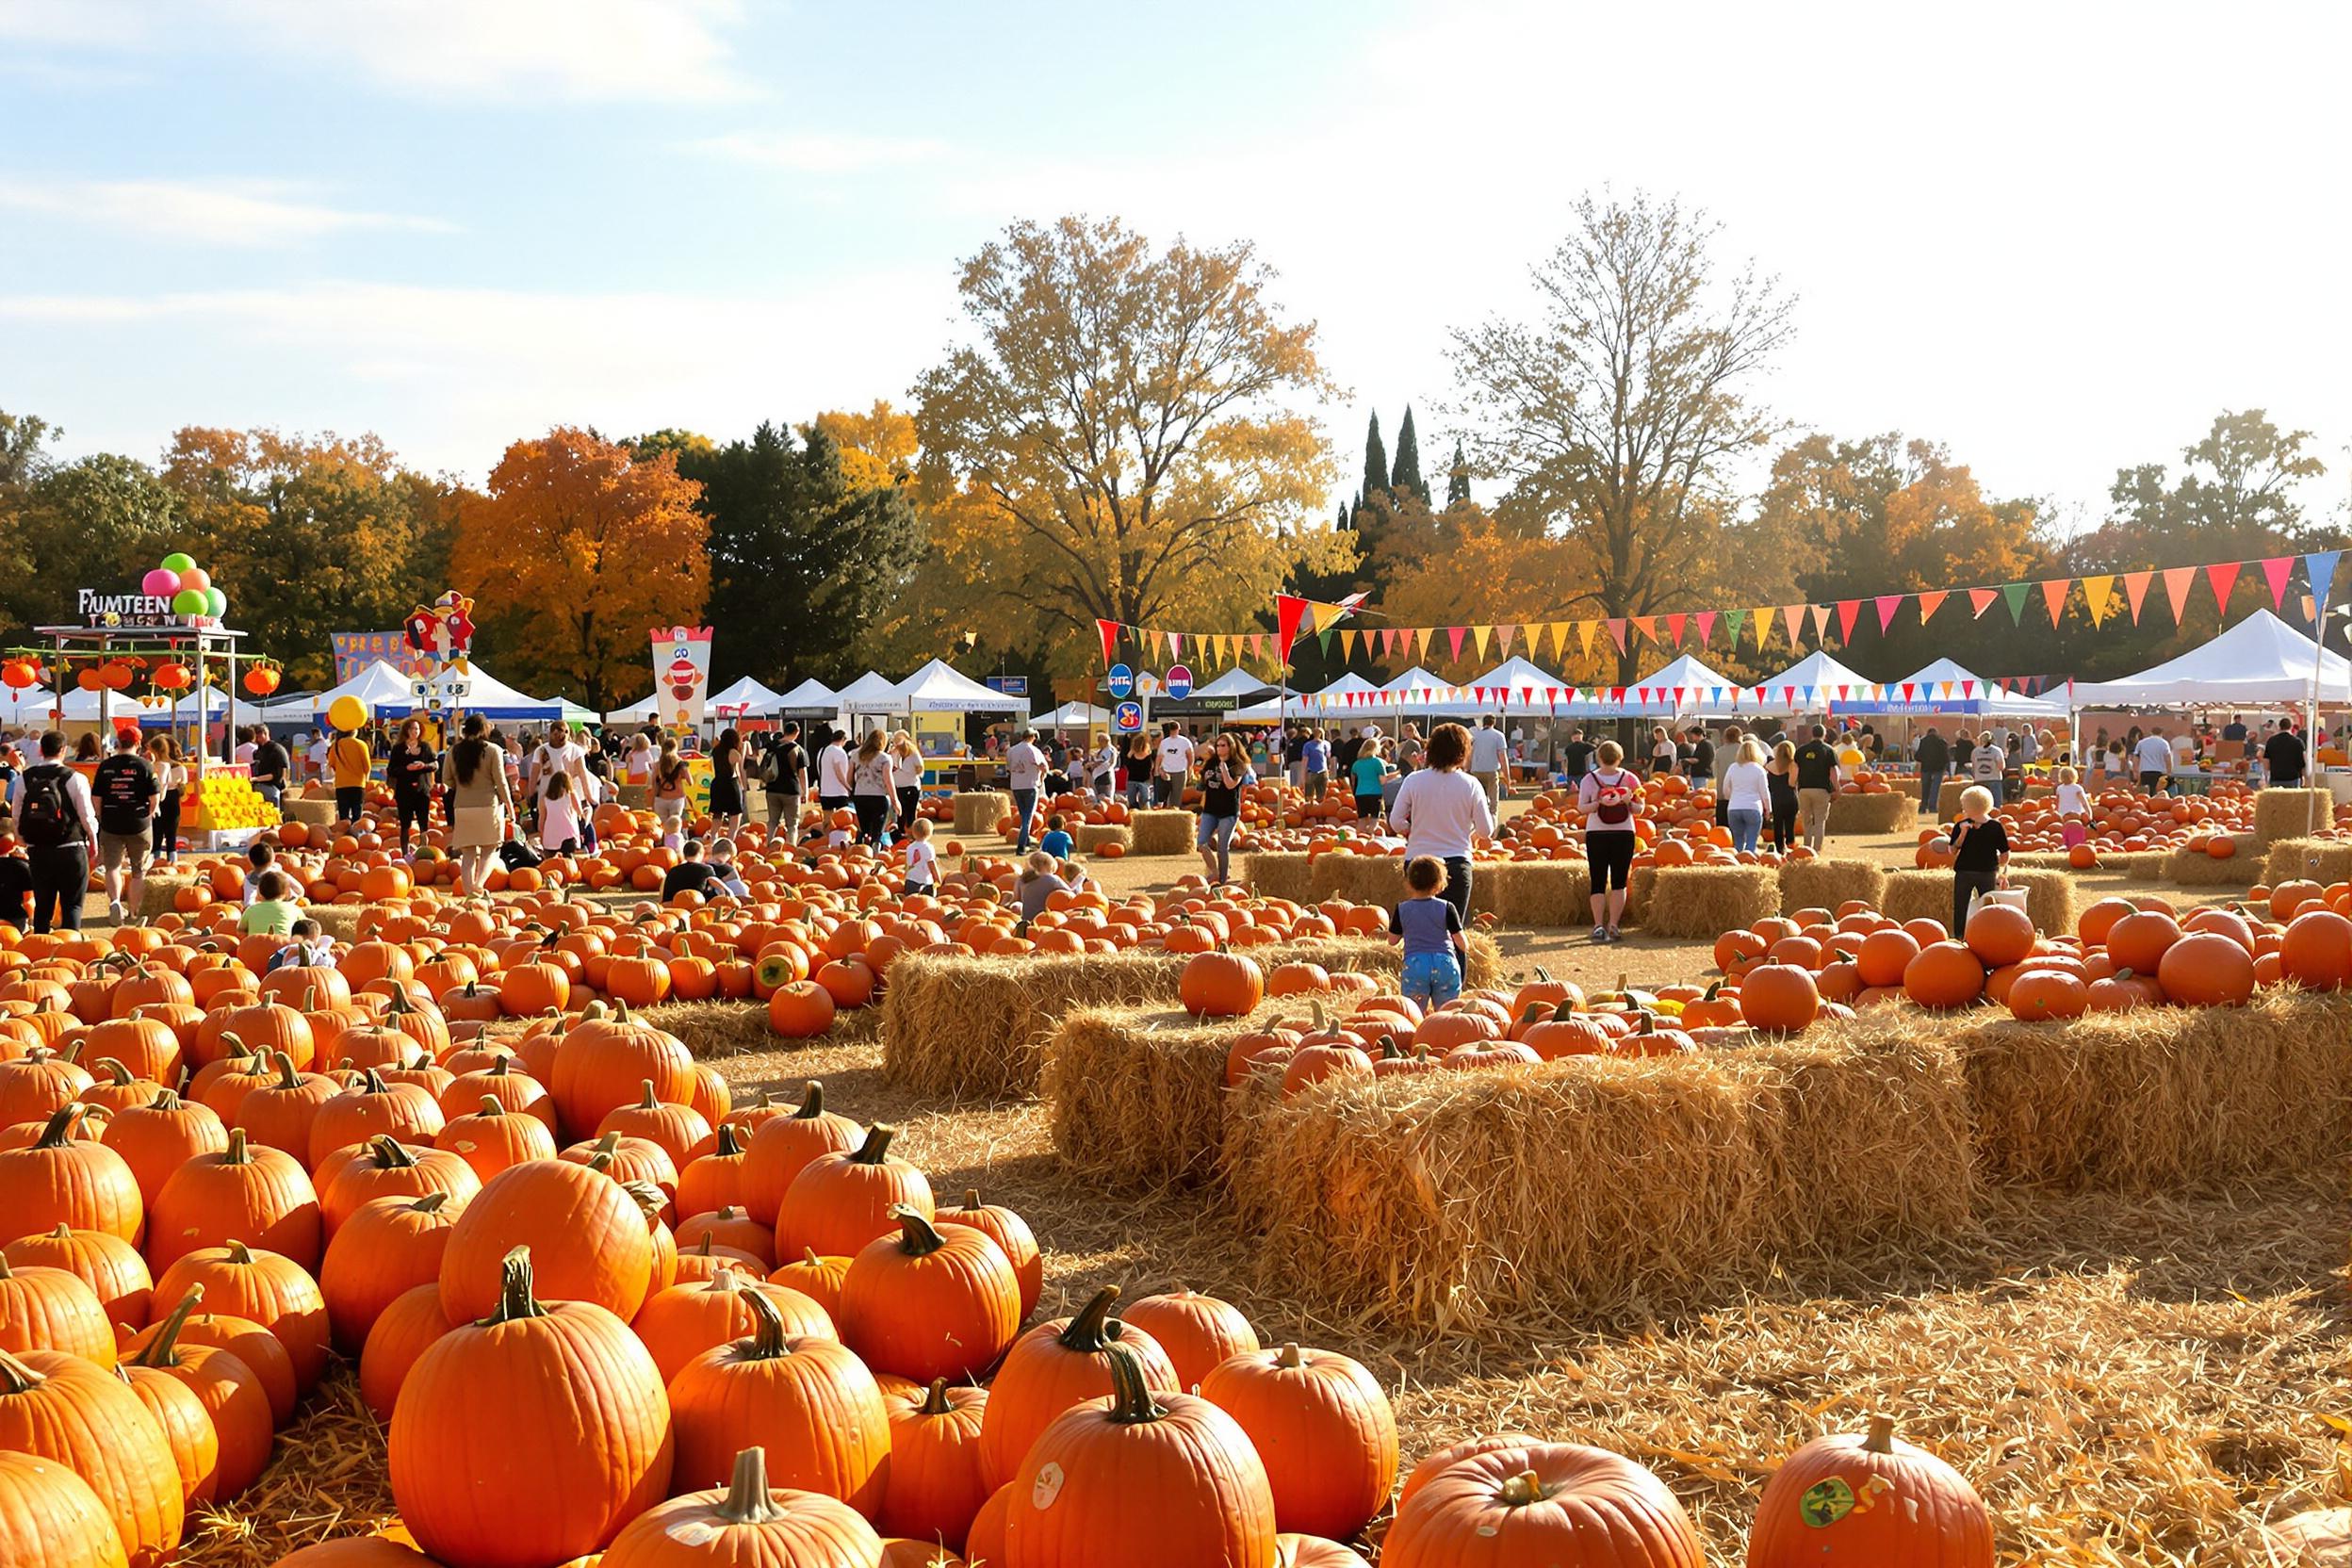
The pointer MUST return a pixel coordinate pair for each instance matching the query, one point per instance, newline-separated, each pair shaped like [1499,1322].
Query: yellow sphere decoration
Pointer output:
[347,713]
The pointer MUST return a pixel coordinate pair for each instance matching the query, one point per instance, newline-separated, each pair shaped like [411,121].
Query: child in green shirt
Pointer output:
[271,912]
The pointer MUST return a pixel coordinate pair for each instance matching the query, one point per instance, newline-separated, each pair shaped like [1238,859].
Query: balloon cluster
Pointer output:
[188,586]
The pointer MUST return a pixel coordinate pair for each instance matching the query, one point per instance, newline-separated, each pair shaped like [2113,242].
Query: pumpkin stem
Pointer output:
[1132,1404]
[369,1082]
[490,1105]
[1288,1361]
[516,1301]
[238,1254]
[877,1144]
[702,1246]
[163,1350]
[1092,1332]
[431,1202]
[116,1070]
[1522,1489]
[236,1154]
[165,1099]
[17,1378]
[971,1199]
[811,1104]
[729,1145]
[1881,1435]
[389,1155]
[934,1398]
[648,1103]
[286,1071]
[748,1501]
[60,1125]
[917,1236]
[768,1341]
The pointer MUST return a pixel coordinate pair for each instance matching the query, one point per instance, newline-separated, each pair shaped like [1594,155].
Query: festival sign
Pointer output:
[681,674]
[355,650]
[176,593]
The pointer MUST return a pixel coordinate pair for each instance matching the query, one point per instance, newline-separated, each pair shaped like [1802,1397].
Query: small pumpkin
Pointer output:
[746,1523]
[1860,1499]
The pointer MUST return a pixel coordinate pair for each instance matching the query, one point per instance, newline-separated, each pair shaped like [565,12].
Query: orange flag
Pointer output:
[2054,596]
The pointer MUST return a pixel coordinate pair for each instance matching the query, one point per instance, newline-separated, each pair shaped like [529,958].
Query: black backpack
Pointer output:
[43,817]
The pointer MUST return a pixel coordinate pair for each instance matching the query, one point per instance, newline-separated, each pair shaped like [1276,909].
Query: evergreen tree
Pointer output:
[1406,478]
[1344,521]
[1374,464]
[1457,477]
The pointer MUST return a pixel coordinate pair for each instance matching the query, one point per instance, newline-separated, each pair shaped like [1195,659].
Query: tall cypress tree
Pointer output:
[1345,522]
[1406,478]
[1457,479]
[1375,463]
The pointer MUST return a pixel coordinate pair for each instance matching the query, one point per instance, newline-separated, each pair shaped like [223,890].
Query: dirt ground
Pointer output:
[2128,1380]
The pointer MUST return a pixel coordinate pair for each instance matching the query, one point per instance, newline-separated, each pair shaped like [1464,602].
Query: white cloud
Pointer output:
[596,50]
[211,212]
[820,152]
[450,376]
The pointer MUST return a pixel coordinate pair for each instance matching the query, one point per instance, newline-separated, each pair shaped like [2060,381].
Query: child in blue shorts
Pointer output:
[1435,947]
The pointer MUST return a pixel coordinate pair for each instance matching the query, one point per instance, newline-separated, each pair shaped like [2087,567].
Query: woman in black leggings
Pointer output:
[1781,783]
[1610,796]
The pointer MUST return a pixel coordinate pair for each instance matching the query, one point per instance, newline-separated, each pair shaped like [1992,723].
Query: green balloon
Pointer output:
[216,603]
[179,561]
[188,602]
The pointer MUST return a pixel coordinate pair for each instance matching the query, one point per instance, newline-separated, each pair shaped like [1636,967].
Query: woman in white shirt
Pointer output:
[1102,767]
[1441,811]
[905,777]
[1747,796]
[2074,808]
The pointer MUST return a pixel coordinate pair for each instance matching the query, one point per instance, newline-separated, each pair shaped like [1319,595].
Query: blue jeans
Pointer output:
[1024,807]
[1747,827]
[1218,832]
[1431,979]
[1931,790]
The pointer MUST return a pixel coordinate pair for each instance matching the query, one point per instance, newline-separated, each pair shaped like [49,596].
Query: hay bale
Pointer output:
[980,810]
[1136,1094]
[2325,861]
[1449,1200]
[158,892]
[2193,868]
[1359,879]
[1165,832]
[1890,812]
[339,922]
[1550,893]
[728,1028]
[1948,798]
[1707,901]
[1092,836]
[2292,813]
[2145,865]
[1824,884]
[1280,875]
[1913,894]
[978,1026]
[311,814]
[2162,1098]
[2049,898]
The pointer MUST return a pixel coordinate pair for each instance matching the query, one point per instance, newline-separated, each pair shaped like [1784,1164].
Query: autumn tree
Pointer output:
[308,535]
[1616,413]
[1122,438]
[578,550]
[810,542]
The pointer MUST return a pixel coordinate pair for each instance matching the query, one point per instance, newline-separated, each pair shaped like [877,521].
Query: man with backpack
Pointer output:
[54,820]
[125,791]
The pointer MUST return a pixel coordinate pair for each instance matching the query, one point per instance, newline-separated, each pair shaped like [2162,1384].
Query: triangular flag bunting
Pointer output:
[1347,643]
[1982,599]
[1706,625]
[1646,626]
[1887,605]
[1735,622]
[2275,572]
[1454,635]
[2014,592]
[2135,591]
[1560,639]
[2177,582]
[1503,634]
[1932,600]
[2223,574]
[1820,623]
[2054,592]
[1175,645]
[1794,616]
[1108,631]
[1674,623]
[1907,691]
[2320,566]
[1586,629]
[1847,611]
[1616,624]
[2097,591]
[1479,634]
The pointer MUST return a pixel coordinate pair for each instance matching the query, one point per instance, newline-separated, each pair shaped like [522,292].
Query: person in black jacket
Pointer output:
[1935,757]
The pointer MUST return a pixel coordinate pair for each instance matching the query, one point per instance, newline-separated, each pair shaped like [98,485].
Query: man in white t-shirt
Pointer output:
[1025,769]
[244,753]
[2153,757]
[315,755]
[833,774]
[1490,759]
[1174,766]
[561,754]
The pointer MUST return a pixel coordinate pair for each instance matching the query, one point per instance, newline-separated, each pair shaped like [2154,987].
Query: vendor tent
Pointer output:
[1945,686]
[811,699]
[869,694]
[1812,684]
[640,712]
[745,699]
[938,687]
[80,706]
[1685,685]
[1415,691]
[389,694]
[1071,715]
[2260,660]
[1517,687]
[1236,682]
[1336,697]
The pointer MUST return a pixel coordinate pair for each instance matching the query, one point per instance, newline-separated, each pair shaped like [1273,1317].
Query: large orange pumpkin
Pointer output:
[1543,1503]
[1866,1501]
[1322,1428]
[1221,985]
[2207,969]
[1779,998]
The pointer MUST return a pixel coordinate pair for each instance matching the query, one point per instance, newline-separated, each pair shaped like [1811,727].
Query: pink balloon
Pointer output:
[160,583]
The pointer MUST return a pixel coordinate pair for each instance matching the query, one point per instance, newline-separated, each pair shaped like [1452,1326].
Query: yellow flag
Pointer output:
[1347,643]
[1479,634]
[2097,591]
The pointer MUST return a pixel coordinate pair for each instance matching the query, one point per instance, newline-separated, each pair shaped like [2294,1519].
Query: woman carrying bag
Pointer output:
[482,803]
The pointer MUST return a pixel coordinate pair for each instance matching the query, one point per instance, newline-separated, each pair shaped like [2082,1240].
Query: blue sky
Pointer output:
[2058,238]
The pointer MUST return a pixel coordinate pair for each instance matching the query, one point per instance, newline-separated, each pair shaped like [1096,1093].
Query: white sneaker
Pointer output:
[114,912]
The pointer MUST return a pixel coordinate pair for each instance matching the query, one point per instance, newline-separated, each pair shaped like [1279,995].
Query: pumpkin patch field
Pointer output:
[835,1226]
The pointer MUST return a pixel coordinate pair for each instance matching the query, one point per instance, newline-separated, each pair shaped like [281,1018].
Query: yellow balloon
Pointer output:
[347,712]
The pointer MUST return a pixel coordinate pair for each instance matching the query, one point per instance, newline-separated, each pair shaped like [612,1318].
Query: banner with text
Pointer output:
[355,650]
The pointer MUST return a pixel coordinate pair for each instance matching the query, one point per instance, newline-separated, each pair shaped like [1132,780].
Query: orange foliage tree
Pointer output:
[579,549]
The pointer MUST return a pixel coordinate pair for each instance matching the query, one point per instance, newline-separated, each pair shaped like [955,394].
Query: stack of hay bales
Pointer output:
[980,810]
[1948,798]
[2292,813]
[1136,1095]
[160,892]
[309,811]
[2162,1098]
[1538,892]
[1380,879]
[1820,884]
[1272,875]
[2198,868]
[1447,1199]
[1165,832]
[1092,836]
[1707,901]
[1889,811]
[2325,861]
[2050,897]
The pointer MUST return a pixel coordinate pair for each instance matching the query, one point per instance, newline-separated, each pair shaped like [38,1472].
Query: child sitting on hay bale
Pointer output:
[1436,951]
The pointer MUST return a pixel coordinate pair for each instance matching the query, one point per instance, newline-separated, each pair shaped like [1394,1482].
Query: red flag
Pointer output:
[2135,590]
[1931,600]
[1674,623]
[2054,596]
[1454,635]
[1887,605]
[2276,570]
[1289,610]
[1108,631]
[1847,611]
[2224,577]
[1617,632]
[1982,599]
[1706,625]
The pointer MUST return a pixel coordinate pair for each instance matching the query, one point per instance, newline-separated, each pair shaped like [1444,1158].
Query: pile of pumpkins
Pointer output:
[2122,822]
[611,1317]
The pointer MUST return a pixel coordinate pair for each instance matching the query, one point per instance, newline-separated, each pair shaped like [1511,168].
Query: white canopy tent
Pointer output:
[1236,682]
[869,694]
[1946,686]
[810,698]
[1812,684]
[2260,660]
[80,706]
[746,699]
[384,692]
[1334,697]
[938,687]
[640,712]
[1071,715]
[1685,685]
